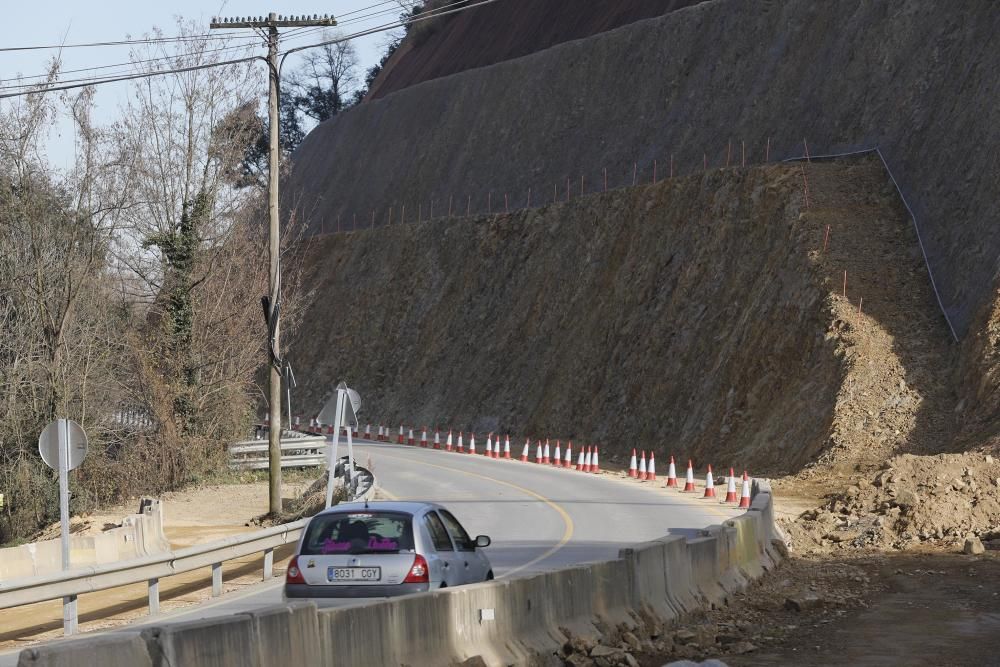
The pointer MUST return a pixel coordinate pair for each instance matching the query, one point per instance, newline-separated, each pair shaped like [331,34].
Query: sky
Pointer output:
[72,21]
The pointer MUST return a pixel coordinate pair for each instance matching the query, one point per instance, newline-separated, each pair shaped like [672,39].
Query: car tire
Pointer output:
[489,576]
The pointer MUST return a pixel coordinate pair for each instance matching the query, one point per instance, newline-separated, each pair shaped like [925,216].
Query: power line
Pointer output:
[34,80]
[123,42]
[431,14]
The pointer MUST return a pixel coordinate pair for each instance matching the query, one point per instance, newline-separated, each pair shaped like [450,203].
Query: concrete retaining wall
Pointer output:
[139,535]
[516,621]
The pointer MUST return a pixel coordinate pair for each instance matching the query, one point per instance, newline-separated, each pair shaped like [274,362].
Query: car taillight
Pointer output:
[419,572]
[293,575]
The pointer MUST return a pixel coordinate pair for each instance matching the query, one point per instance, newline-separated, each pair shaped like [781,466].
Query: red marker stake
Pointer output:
[468,207]
[845,283]
[860,301]
[729,152]
[671,165]
[826,238]
[449,205]
[635,172]
[767,150]
[654,172]
[605,179]
[506,206]
[806,147]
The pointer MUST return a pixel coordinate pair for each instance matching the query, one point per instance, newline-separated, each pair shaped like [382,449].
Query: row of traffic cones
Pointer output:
[587,461]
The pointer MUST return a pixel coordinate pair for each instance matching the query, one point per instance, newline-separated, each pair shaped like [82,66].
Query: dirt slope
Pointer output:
[504,30]
[698,316]
[916,77]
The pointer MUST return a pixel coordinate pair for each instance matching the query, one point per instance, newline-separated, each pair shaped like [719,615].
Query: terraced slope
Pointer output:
[699,316]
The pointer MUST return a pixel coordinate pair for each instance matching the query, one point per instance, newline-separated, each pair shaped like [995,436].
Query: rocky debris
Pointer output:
[689,663]
[913,500]
[973,546]
[803,602]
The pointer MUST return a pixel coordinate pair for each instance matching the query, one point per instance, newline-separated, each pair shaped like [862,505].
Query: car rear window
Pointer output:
[359,533]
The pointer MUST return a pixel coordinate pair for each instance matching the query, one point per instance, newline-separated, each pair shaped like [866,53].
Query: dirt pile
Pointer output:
[940,499]
[467,40]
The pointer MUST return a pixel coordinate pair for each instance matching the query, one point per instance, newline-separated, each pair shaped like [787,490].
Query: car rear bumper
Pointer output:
[341,591]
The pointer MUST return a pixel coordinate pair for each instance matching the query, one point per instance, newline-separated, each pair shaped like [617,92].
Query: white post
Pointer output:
[349,474]
[69,601]
[153,589]
[332,465]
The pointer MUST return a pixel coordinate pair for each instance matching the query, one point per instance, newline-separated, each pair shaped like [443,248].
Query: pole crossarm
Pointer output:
[275,21]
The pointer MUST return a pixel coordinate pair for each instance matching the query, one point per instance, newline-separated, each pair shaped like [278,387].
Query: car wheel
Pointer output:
[489,576]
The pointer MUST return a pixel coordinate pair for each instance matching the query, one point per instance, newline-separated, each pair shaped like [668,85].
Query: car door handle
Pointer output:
[446,566]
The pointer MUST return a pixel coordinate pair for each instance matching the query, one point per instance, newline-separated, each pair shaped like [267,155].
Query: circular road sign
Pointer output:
[48,444]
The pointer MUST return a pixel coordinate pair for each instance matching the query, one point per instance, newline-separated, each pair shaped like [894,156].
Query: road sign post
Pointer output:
[63,446]
[342,408]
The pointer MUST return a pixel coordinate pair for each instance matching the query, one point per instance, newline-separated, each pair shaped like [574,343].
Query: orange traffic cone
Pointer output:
[524,452]
[595,466]
[447,443]
[400,441]
[489,446]
[545,453]
[709,484]
[472,443]
[506,447]
[461,446]
[423,438]
[587,460]
[642,466]
[557,457]
[437,438]
[632,467]
[651,468]
[368,432]
[672,473]
[731,488]
[745,495]
[689,482]
[409,438]
[538,452]
[580,460]
[568,461]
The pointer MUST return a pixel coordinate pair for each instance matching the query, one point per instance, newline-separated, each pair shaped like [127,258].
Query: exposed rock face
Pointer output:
[700,316]
[918,78]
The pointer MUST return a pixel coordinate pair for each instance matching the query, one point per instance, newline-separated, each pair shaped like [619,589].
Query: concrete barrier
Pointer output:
[517,621]
[115,650]
[139,535]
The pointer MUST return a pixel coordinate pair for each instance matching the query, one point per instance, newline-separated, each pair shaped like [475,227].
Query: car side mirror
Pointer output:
[482,541]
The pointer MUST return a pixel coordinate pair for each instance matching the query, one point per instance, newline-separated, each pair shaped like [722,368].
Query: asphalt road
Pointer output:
[538,517]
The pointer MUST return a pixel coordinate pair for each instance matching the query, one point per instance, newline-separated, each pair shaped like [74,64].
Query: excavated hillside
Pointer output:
[703,316]
[466,40]
[919,78]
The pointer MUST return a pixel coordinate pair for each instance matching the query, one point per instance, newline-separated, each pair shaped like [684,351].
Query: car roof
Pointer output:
[407,507]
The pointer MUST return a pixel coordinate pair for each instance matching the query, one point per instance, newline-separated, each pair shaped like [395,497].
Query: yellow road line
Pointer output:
[567,520]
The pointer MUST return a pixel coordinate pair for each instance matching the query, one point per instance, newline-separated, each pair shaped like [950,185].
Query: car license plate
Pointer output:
[354,573]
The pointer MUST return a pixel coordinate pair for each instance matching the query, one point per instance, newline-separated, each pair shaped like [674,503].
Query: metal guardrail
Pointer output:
[299,452]
[150,569]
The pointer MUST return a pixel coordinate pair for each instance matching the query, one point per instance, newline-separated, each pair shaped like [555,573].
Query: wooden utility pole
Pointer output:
[272,23]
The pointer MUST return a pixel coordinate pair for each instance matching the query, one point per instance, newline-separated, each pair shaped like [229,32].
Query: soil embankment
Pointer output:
[700,316]
[918,78]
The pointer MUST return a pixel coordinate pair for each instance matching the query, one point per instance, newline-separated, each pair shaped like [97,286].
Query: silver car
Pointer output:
[380,549]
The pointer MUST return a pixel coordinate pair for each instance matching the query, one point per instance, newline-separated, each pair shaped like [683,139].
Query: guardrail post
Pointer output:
[153,586]
[216,579]
[69,615]
[268,564]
